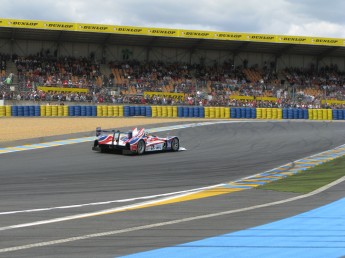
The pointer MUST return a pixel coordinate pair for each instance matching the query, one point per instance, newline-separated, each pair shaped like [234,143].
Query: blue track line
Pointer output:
[316,233]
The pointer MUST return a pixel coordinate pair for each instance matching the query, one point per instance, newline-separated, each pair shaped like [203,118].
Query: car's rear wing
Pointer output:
[99,132]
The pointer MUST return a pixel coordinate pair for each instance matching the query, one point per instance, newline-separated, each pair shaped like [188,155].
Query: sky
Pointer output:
[284,17]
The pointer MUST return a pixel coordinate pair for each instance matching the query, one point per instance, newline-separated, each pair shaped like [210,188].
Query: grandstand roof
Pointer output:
[156,37]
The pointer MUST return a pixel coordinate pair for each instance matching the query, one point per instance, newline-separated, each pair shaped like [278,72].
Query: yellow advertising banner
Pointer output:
[196,34]
[333,101]
[130,30]
[261,38]
[94,28]
[293,39]
[59,26]
[229,36]
[162,32]
[164,94]
[25,24]
[4,23]
[242,97]
[59,89]
[267,99]
[328,41]
[166,32]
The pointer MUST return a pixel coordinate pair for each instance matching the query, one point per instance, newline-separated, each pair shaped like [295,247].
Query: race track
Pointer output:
[41,188]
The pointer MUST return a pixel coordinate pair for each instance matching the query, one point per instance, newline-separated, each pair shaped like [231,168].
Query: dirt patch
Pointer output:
[12,129]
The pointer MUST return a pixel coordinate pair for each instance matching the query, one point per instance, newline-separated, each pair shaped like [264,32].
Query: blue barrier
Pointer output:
[185,112]
[341,114]
[20,111]
[14,111]
[232,112]
[31,110]
[126,111]
[201,112]
[37,110]
[93,110]
[238,112]
[191,111]
[83,110]
[196,111]
[88,110]
[180,111]
[243,112]
[295,113]
[143,111]
[71,111]
[148,111]
[77,110]
[131,110]
[305,114]
[335,114]
[137,110]
[290,113]
[248,113]
[26,111]
[253,113]
[300,113]
[285,113]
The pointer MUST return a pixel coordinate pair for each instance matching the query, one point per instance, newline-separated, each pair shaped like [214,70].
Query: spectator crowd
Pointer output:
[207,85]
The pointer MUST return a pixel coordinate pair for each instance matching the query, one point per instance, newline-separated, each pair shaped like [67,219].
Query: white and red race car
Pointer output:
[133,142]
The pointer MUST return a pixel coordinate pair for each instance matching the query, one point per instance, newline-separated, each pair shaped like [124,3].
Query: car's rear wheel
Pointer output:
[141,147]
[104,149]
[175,144]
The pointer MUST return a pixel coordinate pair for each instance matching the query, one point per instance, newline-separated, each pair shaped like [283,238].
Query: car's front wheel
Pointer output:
[175,144]
[141,147]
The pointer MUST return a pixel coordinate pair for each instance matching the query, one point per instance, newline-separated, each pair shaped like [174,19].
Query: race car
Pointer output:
[133,142]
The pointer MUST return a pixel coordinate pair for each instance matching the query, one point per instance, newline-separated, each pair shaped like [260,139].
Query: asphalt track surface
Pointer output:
[73,174]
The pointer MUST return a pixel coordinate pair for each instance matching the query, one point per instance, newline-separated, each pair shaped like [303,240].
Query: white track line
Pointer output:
[117,232]
[113,201]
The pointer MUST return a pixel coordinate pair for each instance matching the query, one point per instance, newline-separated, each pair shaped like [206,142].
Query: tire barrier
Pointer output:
[201,112]
[179,111]
[159,111]
[196,111]
[148,111]
[77,111]
[54,110]
[164,111]
[120,111]
[126,112]
[212,112]
[264,113]
[93,111]
[71,111]
[248,112]
[2,111]
[216,112]
[207,112]
[8,111]
[172,111]
[154,111]
[191,111]
[185,111]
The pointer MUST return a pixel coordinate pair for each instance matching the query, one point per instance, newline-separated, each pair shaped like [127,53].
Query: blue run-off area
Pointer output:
[316,233]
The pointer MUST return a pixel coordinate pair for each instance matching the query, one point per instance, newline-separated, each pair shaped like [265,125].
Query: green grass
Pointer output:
[311,179]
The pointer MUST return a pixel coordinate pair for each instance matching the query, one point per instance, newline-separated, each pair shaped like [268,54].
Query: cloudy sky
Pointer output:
[288,17]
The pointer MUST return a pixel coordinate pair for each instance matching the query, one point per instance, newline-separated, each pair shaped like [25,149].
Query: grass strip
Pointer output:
[311,179]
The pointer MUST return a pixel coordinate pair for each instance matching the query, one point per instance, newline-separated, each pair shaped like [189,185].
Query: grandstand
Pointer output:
[121,63]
